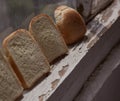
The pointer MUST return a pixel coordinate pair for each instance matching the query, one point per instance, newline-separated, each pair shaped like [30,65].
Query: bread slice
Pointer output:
[26,57]
[70,24]
[10,87]
[48,37]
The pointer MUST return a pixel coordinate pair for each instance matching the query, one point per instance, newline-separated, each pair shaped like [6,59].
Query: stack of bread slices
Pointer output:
[27,54]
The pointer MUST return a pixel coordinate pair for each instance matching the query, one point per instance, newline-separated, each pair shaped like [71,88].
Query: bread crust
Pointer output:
[13,65]
[70,23]
[44,15]
[12,62]
[17,80]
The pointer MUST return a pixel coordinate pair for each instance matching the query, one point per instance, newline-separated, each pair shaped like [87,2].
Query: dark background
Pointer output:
[111,89]
[15,14]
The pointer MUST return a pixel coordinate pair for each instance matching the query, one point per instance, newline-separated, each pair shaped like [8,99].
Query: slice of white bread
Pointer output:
[26,57]
[10,87]
[70,24]
[48,37]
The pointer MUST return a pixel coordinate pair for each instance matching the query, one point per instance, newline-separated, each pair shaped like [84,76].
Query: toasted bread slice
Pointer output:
[48,37]
[26,57]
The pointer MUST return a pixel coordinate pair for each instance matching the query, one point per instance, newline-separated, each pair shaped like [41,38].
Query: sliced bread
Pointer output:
[26,57]
[10,87]
[70,23]
[48,37]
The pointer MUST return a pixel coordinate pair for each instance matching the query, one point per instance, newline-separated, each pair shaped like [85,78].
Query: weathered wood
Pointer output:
[110,91]
[89,8]
[98,78]
[73,83]
[61,69]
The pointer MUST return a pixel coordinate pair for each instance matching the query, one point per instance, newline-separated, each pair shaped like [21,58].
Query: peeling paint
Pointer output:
[41,97]
[76,53]
[64,69]
[55,83]
[110,24]
[107,15]
[92,42]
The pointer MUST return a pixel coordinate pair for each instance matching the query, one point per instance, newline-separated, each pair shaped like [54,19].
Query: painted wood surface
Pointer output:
[62,68]
[100,75]
[73,84]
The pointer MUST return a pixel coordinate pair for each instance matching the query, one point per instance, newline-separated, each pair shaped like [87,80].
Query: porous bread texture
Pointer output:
[26,57]
[48,37]
[10,87]
[70,24]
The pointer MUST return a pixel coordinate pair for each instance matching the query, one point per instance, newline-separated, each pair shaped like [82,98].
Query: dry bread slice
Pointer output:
[26,57]
[48,37]
[10,87]
[70,23]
